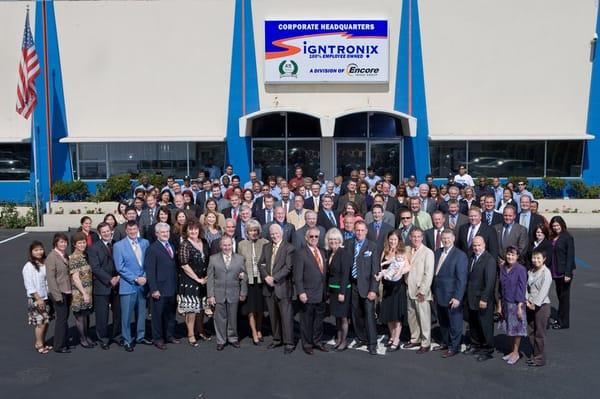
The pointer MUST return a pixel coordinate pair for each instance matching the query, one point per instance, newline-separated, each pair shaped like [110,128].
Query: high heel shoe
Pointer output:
[192,341]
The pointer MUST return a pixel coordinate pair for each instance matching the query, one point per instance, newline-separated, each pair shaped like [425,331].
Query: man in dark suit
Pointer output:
[327,216]
[490,216]
[286,202]
[227,285]
[149,215]
[120,230]
[265,214]
[287,228]
[449,285]
[480,300]
[474,228]
[204,194]
[455,219]
[106,281]
[314,201]
[378,230]
[406,225]
[433,236]
[364,287]
[299,237]
[240,227]
[390,203]
[310,277]
[161,268]
[388,217]
[528,219]
[230,229]
[511,233]
[234,210]
[275,266]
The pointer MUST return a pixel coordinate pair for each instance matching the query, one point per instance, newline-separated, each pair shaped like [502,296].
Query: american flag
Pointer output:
[29,69]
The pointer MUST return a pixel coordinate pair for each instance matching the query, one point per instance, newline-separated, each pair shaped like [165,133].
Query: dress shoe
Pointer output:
[173,341]
[360,344]
[557,326]
[441,348]
[144,341]
[423,349]
[288,349]
[104,346]
[160,345]
[128,348]
[410,346]
[220,347]
[449,353]
[235,344]
[274,345]
[86,345]
[308,351]
[483,356]
[321,348]
[62,350]
[372,350]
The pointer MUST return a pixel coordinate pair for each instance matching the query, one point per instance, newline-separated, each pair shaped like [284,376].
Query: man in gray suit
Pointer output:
[427,203]
[388,217]
[511,234]
[275,265]
[299,240]
[148,217]
[455,219]
[227,285]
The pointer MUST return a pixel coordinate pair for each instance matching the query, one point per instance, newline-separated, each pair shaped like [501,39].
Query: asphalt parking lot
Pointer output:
[254,371]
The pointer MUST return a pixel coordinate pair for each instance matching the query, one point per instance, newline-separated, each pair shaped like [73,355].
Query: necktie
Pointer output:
[473,263]
[316,204]
[227,259]
[357,247]
[137,250]
[151,213]
[471,234]
[505,234]
[488,216]
[273,256]
[377,228]
[441,262]
[269,218]
[109,247]
[169,249]
[452,221]
[235,214]
[424,204]
[318,259]
[331,218]
[438,239]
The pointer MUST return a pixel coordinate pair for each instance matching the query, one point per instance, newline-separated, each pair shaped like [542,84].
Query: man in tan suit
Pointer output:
[296,215]
[419,293]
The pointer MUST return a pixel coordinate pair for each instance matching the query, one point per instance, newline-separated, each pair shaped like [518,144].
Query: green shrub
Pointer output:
[555,183]
[10,219]
[75,190]
[116,188]
[157,180]
[592,192]
[537,192]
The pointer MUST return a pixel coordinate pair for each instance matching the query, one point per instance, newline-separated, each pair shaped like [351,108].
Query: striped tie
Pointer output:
[357,247]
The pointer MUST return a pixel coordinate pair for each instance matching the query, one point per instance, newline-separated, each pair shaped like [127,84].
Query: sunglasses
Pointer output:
[406,217]
[317,236]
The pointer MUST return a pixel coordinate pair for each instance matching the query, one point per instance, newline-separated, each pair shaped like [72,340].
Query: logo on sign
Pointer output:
[288,69]
[355,70]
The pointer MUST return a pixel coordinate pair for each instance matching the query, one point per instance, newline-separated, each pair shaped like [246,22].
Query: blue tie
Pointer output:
[489,218]
[357,248]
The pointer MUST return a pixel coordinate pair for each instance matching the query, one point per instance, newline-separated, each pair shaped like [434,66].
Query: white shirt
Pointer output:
[35,280]
[465,180]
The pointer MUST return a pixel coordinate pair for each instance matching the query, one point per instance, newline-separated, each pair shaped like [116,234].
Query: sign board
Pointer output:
[353,51]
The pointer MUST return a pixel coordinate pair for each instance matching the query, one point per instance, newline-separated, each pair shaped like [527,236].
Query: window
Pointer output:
[15,161]
[206,156]
[445,157]
[92,161]
[353,125]
[564,158]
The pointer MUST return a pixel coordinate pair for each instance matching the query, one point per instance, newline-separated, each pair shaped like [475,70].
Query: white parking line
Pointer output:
[13,237]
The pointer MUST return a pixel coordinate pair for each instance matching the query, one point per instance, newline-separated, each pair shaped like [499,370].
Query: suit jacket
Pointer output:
[323,220]
[358,200]
[309,203]
[462,219]
[430,239]
[545,246]
[407,239]
[201,198]
[299,242]
[482,280]
[430,206]
[161,269]
[451,280]
[281,270]
[127,264]
[57,275]
[103,267]
[297,220]
[534,220]
[367,263]
[517,237]
[119,232]
[564,254]
[228,212]
[147,219]
[215,246]
[308,278]
[288,232]
[244,248]
[261,215]
[421,273]
[384,230]
[486,232]
[224,283]
[339,268]
[463,206]
[392,205]
[496,218]
[388,217]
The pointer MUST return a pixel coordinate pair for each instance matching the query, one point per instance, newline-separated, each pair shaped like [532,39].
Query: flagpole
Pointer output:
[35,172]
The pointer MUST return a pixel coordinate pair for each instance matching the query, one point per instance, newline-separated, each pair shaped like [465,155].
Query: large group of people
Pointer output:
[364,251]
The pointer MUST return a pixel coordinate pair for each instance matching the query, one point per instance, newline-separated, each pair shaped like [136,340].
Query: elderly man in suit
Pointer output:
[129,255]
[106,281]
[511,233]
[286,228]
[161,269]
[275,266]
[427,203]
[227,285]
[296,216]
[327,216]
[299,238]
[364,287]
[314,201]
[480,300]
[310,277]
[476,228]
[230,230]
[378,230]
[433,236]
[449,285]
[419,295]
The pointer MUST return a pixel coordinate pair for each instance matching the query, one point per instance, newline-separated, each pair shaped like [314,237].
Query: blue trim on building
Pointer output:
[591,160]
[20,192]
[239,148]
[416,149]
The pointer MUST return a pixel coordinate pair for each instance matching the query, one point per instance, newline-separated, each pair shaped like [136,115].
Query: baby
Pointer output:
[396,269]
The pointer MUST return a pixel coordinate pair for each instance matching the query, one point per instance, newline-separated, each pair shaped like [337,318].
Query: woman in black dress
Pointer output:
[562,265]
[393,301]
[193,254]
[541,243]
[339,261]
[251,250]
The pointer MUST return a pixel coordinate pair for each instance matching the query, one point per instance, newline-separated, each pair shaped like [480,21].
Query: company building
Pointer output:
[408,86]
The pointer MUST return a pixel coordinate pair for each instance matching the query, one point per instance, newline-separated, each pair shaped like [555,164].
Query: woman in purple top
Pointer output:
[562,265]
[513,288]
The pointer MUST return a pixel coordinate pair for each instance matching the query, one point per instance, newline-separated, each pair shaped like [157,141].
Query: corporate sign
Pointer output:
[326,52]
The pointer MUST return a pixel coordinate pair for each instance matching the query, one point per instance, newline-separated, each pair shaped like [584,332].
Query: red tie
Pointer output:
[169,250]
[438,239]
[318,259]
[235,214]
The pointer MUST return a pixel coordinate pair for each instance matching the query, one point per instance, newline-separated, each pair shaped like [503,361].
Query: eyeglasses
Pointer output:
[406,217]
[317,236]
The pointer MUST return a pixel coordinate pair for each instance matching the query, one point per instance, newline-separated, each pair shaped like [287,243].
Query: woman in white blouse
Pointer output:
[38,307]
[539,282]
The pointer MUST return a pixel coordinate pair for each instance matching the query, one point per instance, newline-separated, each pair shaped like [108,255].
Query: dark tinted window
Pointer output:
[300,125]
[15,160]
[272,125]
[353,125]
[564,158]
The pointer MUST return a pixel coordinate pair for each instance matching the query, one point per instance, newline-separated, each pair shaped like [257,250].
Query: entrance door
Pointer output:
[385,157]
[350,156]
